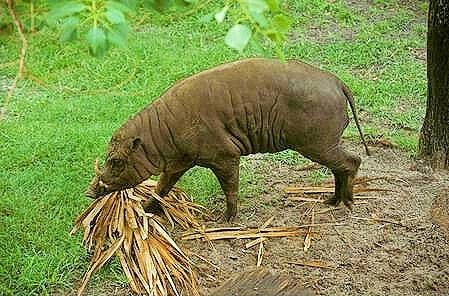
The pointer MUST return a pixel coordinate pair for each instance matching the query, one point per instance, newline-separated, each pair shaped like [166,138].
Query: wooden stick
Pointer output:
[23,51]
[357,199]
[308,238]
[246,235]
[308,199]
[255,242]
[207,261]
[260,254]
[238,232]
[317,190]
[364,180]
[313,263]
[210,230]
[308,190]
[251,233]
[380,220]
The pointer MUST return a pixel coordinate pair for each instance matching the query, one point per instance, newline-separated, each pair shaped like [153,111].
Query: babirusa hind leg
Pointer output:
[227,174]
[344,165]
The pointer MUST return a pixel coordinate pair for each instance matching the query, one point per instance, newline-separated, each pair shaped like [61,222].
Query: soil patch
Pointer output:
[392,243]
[440,211]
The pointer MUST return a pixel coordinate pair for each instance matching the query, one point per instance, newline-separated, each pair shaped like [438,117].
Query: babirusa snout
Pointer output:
[92,190]
[96,186]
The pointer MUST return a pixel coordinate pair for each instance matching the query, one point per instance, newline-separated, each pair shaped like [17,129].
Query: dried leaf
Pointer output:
[99,263]
[167,237]
[127,270]
[129,214]
[151,260]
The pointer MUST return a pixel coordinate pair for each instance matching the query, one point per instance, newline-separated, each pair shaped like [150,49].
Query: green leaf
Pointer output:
[115,16]
[257,46]
[273,5]
[124,9]
[260,19]
[258,6]
[68,29]
[64,10]
[158,5]
[96,38]
[118,35]
[220,16]
[238,37]
[131,4]
[274,36]
[282,23]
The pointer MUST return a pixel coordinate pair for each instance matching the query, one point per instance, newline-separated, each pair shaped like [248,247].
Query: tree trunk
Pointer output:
[434,138]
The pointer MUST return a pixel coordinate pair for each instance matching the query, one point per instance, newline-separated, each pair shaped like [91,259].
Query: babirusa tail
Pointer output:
[350,99]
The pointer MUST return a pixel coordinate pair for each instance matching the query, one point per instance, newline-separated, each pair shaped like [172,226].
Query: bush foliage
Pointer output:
[105,23]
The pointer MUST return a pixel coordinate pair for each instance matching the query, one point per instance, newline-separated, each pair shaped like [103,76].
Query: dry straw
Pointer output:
[153,263]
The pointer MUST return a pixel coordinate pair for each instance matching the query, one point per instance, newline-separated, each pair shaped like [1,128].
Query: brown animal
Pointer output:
[212,118]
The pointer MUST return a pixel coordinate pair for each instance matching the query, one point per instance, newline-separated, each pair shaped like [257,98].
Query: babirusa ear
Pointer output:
[135,143]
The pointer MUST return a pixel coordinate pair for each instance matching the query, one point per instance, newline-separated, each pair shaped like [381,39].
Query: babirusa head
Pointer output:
[125,167]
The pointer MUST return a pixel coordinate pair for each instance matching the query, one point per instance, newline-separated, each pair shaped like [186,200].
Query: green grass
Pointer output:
[60,121]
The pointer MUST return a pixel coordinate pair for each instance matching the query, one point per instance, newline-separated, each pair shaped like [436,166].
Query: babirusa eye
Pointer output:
[117,163]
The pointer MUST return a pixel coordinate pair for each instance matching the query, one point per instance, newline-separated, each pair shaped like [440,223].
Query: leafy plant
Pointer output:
[102,22]
[257,20]
[106,23]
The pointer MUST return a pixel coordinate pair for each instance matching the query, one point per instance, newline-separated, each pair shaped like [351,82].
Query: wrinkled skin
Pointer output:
[212,118]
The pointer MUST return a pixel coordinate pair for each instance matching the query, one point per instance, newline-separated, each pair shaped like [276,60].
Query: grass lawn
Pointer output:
[65,111]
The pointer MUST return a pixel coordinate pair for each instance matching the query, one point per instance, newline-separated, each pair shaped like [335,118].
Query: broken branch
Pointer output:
[381,220]
[317,190]
[23,50]
[314,263]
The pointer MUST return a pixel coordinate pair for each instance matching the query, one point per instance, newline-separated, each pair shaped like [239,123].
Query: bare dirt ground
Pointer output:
[394,242]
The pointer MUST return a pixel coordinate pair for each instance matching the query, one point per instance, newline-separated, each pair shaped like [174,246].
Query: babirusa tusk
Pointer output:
[97,167]
[103,184]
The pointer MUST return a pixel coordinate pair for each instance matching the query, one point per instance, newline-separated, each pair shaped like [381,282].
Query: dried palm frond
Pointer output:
[153,263]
